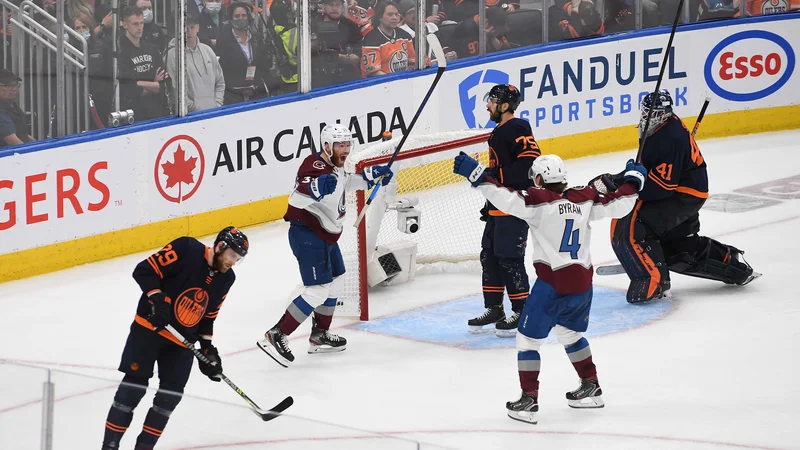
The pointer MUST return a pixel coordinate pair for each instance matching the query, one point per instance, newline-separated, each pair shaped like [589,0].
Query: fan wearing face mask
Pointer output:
[100,86]
[212,18]
[152,32]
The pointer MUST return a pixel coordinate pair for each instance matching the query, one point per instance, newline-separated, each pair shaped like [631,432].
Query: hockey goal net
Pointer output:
[427,216]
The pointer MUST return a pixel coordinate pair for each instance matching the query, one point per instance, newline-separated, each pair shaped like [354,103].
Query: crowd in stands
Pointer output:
[233,54]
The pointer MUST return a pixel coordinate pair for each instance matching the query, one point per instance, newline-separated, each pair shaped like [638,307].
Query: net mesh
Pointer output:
[450,230]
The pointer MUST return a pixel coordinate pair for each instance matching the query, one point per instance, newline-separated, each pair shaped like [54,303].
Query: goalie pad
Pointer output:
[714,261]
[641,257]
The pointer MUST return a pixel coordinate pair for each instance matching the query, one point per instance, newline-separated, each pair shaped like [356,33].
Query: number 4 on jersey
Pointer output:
[569,241]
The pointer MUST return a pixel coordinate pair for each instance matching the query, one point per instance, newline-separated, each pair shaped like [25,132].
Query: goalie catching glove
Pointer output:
[468,167]
[634,172]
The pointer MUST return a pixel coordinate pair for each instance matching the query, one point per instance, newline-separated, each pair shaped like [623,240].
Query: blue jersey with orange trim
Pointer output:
[674,163]
[196,290]
[512,150]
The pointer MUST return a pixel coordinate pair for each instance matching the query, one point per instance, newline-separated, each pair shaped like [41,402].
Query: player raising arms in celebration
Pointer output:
[661,234]
[512,150]
[561,297]
[316,212]
[183,285]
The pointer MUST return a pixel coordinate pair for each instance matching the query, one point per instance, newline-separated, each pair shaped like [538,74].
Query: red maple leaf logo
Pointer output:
[180,170]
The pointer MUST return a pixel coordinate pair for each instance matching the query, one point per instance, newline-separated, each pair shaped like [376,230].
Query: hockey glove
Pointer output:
[322,185]
[468,167]
[214,369]
[635,173]
[371,174]
[160,310]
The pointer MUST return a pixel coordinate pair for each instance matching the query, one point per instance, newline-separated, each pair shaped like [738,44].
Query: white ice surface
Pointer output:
[717,372]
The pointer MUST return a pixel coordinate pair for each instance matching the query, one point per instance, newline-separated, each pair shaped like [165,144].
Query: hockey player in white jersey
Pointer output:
[561,297]
[316,211]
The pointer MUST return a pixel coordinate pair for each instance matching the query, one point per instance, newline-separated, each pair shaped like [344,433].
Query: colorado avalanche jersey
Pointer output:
[560,226]
[322,214]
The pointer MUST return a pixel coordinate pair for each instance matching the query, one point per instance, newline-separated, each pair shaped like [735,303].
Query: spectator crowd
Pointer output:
[236,53]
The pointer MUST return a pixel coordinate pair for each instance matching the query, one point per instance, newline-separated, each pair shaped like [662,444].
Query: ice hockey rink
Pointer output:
[714,367]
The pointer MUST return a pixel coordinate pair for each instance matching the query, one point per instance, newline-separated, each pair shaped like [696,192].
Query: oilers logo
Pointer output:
[191,306]
[399,61]
[774,6]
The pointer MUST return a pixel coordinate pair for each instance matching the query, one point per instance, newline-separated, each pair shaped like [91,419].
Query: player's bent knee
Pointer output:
[313,295]
[130,393]
[566,336]
[167,398]
[336,286]
[525,343]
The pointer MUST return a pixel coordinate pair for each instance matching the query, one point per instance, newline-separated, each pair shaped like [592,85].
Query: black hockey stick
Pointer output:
[617,269]
[436,47]
[643,139]
[265,415]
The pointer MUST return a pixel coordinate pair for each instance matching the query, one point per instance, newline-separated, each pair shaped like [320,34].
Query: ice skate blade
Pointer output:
[482,329]
[506,333]
[586,403]
[267,348]
[752,277]
[528,417]
[324,349]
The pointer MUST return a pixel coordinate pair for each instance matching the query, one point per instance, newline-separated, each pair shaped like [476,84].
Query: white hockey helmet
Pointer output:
[334,133]
[550,167]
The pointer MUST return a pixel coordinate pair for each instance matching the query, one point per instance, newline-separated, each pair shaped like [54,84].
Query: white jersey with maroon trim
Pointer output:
[560,226]
[322,214]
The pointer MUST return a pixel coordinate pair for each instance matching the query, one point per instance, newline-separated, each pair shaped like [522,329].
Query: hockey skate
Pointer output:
[276,345]
[507,328]
[491,316]
[323,341]
[524,409]
[588,395]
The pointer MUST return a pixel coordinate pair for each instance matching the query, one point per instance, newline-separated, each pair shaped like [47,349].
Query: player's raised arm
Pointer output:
[619,203]
[516,203]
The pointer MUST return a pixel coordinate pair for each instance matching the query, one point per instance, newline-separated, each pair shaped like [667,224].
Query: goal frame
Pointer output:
[361,240]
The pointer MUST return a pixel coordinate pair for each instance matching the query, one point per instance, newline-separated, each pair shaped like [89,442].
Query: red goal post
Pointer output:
[423,172]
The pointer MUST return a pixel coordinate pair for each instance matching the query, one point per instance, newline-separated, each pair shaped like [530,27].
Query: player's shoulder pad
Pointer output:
[520,124]
[313,164]
[188,244]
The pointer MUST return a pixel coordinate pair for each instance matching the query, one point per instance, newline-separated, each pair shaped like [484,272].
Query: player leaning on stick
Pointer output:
[561,297]
[183,285]
[316,212]
[661,233]
[512,150]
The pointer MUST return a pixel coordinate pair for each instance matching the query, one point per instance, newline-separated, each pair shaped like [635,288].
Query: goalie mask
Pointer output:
[551,168]
[661,104]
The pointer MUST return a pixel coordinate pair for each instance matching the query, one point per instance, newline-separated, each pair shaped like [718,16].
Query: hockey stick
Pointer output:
[617,269]
[265,415]
[436,47]
[660,77]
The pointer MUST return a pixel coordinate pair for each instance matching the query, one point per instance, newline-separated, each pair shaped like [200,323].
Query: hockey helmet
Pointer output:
[550,167]
[233,239]
[661,104]
[334,133]
[504,93]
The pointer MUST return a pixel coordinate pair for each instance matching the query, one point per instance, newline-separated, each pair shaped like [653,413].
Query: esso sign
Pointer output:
[749,65]
[45,196]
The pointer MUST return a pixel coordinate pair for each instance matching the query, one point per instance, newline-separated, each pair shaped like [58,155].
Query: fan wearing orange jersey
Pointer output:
[387,48]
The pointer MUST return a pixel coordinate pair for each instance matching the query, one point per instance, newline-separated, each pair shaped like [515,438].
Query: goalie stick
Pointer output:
[436,47]
[265,414]
[660,77]
[617,269]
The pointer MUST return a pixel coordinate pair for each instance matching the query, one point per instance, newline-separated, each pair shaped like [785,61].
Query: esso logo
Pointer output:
[749,65]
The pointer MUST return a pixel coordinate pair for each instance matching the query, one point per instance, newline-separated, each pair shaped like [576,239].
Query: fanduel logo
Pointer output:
[478,83]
